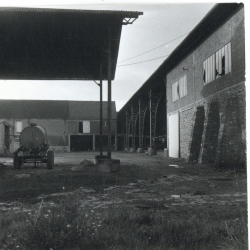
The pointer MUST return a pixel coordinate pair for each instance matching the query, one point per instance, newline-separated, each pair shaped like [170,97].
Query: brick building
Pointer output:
[205,86]
[70,125]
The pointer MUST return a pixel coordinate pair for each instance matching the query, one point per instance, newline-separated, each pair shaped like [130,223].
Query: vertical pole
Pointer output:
[140,146]
[126,137]
[101,142]
[116,139]
[109,93]
[93,142]
[134,116]
[132,132]
[150,118]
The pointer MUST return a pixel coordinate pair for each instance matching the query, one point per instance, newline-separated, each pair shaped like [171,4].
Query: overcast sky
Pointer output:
[159,25]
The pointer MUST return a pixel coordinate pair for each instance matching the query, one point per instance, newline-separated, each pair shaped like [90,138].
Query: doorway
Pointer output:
[81,142]
[174,135]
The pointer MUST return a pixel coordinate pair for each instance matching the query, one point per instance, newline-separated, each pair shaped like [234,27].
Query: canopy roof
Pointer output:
[56,44]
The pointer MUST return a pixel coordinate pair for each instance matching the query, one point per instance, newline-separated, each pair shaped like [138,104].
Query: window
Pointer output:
[84,127]
[179,88]
[218,64]
[19,126]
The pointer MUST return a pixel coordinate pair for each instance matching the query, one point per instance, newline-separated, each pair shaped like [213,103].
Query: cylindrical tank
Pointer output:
[33,137]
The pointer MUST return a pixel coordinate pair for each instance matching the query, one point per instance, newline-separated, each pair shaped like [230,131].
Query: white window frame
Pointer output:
[218,64]
[85,127]
[179,88]
[18,126]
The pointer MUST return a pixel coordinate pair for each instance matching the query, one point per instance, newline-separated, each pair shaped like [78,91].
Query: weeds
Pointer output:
[70,227]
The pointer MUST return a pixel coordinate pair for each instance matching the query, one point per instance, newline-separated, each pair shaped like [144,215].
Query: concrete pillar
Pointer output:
[165,152]
[152,151]
[109,93]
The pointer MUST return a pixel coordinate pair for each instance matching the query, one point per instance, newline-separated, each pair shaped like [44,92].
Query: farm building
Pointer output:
[204,79]
[70,125]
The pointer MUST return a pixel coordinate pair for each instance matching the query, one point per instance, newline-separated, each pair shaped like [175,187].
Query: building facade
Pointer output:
[70,125]
[206,99]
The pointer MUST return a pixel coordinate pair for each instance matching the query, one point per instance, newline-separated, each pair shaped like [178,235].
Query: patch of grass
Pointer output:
[68,226]
[42,181]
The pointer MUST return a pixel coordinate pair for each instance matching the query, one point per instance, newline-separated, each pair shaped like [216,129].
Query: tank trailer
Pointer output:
[34,147]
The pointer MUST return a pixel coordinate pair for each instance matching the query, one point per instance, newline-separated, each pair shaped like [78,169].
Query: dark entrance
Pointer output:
[104,142]
[81,142]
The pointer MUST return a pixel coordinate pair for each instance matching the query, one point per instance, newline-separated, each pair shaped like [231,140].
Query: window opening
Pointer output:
[218,64]
[179,88]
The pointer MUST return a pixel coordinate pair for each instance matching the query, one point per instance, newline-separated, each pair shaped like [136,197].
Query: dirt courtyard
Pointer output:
[143,181]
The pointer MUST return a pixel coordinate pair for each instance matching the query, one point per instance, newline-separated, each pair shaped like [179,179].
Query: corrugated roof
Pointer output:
[50,109]
[53,44]
[120,12]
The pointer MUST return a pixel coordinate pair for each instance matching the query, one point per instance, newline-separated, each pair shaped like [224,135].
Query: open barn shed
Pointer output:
[141,123]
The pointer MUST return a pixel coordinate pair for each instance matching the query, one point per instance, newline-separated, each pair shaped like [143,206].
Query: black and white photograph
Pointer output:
[123,125]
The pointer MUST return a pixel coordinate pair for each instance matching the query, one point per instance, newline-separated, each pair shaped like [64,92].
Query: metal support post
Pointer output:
[128,121]
[93,142]
[101,141]
[150,119]
[143,106]
[116,143]
[154,99]
[109,93]
[134,115]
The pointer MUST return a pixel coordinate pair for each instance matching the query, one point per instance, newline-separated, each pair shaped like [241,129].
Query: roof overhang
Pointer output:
[56,44]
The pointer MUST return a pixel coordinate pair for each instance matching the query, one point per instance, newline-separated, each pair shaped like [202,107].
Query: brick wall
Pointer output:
[186,125]
[220,135]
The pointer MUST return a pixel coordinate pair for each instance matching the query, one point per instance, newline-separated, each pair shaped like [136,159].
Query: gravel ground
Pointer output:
[143,182]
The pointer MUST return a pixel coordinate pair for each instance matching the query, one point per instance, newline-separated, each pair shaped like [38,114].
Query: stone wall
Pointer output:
[186,124]
[219,134]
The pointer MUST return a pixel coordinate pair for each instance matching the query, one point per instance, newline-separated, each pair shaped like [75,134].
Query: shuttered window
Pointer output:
[84,127]
[179,88]
[217,64]
[19,126]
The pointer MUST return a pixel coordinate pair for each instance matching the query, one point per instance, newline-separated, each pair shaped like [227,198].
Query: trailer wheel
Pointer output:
[17,161]
[50,159]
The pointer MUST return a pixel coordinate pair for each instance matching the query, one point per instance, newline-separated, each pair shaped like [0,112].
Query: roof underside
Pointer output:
[59,44]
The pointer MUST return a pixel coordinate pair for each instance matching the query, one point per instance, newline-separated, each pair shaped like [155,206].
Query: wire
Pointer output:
[153,48]
[142,61]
